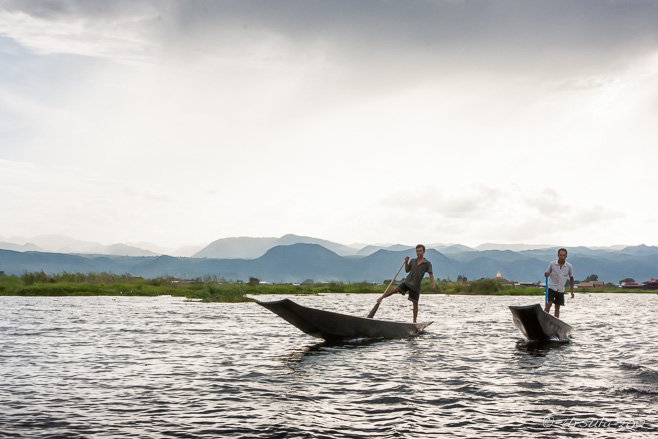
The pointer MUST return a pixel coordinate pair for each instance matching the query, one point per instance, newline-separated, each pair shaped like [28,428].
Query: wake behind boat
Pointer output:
[335,326]
[538,325]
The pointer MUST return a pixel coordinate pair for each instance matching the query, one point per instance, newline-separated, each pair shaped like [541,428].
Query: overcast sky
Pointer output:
[182,122]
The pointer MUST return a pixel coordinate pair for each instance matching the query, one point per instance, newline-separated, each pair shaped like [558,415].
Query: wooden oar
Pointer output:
[376,307]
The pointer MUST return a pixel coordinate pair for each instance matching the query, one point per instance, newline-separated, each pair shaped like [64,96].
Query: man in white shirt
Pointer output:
[558,272]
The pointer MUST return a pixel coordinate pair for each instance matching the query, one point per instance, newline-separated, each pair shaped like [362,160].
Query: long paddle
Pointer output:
[376,307]
[546,293]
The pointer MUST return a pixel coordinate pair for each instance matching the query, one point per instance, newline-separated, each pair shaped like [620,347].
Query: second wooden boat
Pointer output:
[538,325]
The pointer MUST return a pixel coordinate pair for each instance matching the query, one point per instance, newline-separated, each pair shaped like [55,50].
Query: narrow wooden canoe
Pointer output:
[335,326]
[536,324]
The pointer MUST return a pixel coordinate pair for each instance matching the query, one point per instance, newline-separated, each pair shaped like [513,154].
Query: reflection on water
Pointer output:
[144,367]
[299,357]
[532,354]
[307,356]
[343,345]
[540,348]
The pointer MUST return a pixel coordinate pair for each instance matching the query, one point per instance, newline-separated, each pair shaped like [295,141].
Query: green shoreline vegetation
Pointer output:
[213,289]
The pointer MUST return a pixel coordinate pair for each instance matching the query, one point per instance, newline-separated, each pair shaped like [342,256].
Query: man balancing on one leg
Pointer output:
[416,268]
[558,272]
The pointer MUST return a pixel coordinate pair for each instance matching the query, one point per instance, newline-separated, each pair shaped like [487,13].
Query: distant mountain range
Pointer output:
[299,261]
[63,244]
[251,248]
[225,248]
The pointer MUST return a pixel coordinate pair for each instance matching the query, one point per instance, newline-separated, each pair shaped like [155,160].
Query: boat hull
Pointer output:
[333,326]
[538,325]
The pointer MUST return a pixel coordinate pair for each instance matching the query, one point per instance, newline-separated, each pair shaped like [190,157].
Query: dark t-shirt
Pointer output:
[417,272]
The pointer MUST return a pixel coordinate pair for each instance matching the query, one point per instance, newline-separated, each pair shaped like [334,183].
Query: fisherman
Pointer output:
[558,272]
[416,268]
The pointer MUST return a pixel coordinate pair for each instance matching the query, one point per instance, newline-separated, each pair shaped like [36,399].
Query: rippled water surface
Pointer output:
[163,367]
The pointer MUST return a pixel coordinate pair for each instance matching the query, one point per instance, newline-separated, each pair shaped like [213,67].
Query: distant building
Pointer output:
[591,284]
[500,278]
[651,285]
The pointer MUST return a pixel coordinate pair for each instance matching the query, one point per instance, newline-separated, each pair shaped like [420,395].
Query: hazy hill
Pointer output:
[187,250]
[63,244]
[251,248]
[640,250]
[300,262]
[513,247]
[123,250]
[236,248]
[370,249]
[12,262]
[28,247]
[454,248]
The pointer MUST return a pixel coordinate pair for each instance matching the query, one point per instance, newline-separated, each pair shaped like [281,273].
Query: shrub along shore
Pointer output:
[213,289]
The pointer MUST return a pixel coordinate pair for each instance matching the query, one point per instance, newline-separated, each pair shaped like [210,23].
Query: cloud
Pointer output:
[432,33]
[473,214]
[585,84]
[453,202]
[482,120]
[119,30]
[549,204]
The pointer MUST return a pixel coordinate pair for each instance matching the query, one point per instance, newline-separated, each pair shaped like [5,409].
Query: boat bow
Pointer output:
[536,324]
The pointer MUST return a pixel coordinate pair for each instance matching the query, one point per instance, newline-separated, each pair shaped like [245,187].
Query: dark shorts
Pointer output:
[413,295]
[555,297]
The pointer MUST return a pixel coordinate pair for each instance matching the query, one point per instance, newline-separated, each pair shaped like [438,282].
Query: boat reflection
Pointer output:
[309,355]
[342,344]
[533,354]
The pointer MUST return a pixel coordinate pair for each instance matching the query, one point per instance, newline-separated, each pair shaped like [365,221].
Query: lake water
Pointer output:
[104,367]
